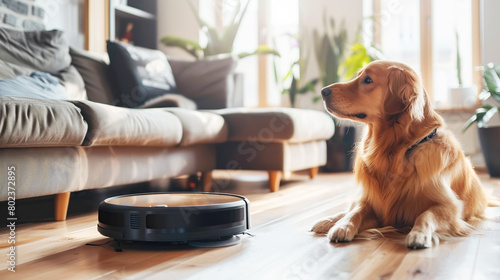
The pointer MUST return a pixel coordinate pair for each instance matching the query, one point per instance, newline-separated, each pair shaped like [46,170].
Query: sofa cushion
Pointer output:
[96,72]
[115,126]
[200,127]
[28,122]
[142,74]
[277,124]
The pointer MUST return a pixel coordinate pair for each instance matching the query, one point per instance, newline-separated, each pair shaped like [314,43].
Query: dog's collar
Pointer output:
[427,138]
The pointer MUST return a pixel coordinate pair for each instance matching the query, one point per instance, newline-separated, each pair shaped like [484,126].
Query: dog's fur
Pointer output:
[431,187]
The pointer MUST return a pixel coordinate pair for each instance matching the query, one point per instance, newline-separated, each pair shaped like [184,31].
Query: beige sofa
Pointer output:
[62,146]
[58,147]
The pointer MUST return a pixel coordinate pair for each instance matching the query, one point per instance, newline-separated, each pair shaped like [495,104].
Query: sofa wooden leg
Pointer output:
[313,172]
[206,181]
[61,203]
[274,180]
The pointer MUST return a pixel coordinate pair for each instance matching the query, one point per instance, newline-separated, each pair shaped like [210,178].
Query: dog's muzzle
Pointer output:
[326,91]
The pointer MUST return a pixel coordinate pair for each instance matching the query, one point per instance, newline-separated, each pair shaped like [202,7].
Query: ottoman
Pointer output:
[278,140]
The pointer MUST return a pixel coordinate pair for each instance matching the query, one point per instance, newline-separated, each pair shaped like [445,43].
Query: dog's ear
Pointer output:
[404,93]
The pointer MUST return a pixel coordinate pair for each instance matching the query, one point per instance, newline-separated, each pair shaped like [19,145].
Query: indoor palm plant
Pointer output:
[489,135]
[212,71]
[219,41]
[291,83]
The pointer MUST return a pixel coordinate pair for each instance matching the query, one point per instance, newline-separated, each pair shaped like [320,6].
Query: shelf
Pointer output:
[131,12]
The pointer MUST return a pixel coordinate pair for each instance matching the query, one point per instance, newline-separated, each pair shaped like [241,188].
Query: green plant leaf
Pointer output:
[230,31]
[469,122]
[485,94]
[482,116]
[488,115]
[290,71]
[309,87]
[260,50]
[293,92]
[189,46]
[357,59]
[219,42]
[492,81]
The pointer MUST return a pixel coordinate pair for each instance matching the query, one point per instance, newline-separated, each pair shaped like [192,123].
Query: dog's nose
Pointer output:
[326,91]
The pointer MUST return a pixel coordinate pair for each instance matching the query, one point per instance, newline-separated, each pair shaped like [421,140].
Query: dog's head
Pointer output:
[382,91]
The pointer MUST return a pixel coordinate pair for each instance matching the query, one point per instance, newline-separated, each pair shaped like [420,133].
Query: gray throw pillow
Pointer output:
[10,70]
[96,73]
[208,82]
[45,51]
[142,74]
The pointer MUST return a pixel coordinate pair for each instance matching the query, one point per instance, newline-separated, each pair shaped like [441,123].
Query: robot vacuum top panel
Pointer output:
[175,200]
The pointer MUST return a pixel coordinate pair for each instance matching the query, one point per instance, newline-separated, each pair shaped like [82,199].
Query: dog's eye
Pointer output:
[367,80]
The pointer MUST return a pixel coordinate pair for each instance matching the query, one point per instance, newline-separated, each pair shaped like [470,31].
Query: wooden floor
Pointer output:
[281,248]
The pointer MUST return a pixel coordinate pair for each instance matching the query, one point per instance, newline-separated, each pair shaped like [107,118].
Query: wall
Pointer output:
[491,35]
[175,18]
[21,14]
[67,15]
[28,15]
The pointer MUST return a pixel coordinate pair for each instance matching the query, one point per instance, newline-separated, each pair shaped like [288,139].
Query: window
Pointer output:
[423,34]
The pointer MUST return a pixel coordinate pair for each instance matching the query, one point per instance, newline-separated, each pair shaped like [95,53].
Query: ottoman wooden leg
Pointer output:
[206,181]
[61,203]
[274,180]
[313,172]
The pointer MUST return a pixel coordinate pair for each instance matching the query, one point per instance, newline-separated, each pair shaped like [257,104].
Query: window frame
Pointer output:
[426,44]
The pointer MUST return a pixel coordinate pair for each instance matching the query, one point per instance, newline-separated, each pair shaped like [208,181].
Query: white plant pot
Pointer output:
[464,96]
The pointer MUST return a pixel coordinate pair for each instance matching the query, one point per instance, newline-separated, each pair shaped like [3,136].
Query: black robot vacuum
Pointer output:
[194,218]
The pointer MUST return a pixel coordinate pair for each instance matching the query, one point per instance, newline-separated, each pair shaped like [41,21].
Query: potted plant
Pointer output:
[489,135]
[296,86]
[461,96]
[290,82]
[219,41]
[214,64]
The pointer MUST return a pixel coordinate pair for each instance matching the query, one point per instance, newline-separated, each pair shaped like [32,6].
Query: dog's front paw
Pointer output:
[416,239]
[343,232]
[324,225]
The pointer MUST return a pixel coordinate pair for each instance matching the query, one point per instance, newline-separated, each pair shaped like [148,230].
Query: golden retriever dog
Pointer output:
[412,170]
